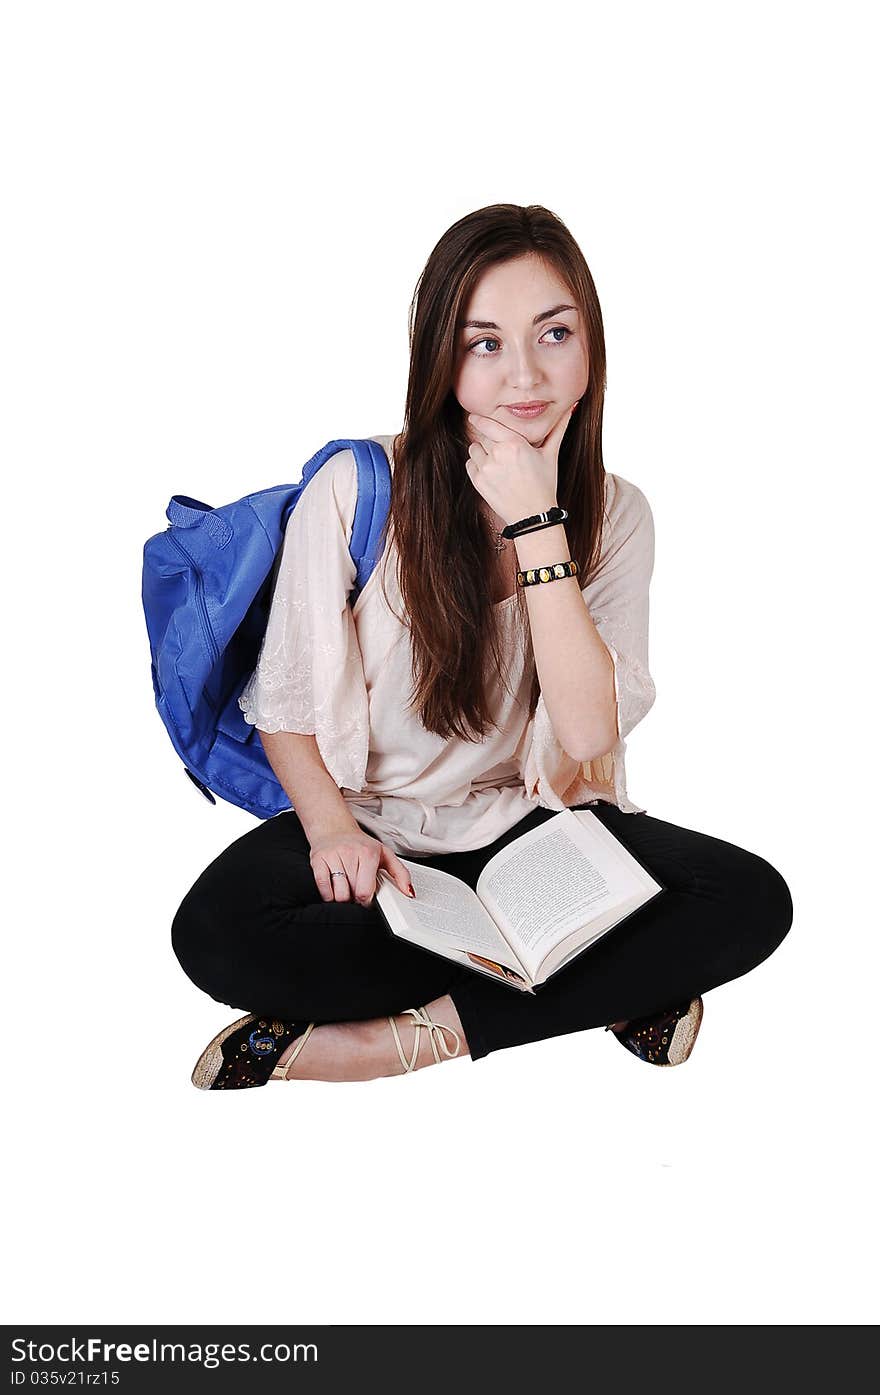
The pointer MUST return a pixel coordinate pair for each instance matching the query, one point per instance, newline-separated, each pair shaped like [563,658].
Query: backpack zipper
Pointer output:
[200,595]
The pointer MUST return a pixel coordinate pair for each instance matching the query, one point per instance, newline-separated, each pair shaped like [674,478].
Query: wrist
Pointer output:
[542,548]
[333,827]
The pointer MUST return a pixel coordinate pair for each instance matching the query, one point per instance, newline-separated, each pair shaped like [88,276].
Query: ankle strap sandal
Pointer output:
[421,1018]
[283,1072]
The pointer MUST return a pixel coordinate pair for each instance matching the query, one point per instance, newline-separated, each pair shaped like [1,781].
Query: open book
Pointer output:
[539,902]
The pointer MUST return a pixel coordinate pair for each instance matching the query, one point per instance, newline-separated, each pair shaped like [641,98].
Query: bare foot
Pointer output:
[365,1050]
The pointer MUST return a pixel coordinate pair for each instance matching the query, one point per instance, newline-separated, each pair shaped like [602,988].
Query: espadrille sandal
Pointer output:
[421,1018]
[245,1053]
[666,1038]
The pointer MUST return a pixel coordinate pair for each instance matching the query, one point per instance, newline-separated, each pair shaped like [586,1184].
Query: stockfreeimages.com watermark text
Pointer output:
[210,1355]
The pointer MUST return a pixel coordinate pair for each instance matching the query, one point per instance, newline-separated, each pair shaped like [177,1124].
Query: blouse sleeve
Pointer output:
[617,599]
[309,676]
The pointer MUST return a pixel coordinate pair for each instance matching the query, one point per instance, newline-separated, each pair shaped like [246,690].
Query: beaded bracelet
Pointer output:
[533,576]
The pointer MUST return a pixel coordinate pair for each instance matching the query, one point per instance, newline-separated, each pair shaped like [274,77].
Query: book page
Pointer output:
[445,916]
[568,948]
[555,880]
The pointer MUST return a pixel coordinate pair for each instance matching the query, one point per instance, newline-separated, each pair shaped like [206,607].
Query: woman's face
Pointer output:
[508,358]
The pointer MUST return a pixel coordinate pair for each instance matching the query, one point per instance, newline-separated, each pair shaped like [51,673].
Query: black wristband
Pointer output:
[537,521]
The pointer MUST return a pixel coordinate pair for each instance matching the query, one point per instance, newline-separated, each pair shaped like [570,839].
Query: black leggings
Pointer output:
[254,933]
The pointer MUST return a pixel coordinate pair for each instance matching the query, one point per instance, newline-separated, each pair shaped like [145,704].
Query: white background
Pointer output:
[216,216]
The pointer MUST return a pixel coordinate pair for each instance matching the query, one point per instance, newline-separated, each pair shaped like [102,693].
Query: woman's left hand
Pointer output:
[515,478]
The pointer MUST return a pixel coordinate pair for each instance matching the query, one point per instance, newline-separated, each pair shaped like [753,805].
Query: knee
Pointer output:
[228,921]
[765,904]
[205,949]
[193,931]
[215,913]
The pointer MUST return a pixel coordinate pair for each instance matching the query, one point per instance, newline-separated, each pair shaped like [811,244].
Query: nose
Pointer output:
[524,372]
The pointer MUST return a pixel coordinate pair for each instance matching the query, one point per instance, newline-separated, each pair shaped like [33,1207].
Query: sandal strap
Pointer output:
[422,1018]
[281,1072]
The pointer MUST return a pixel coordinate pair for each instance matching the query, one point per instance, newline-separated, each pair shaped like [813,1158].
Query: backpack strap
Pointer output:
[373,498]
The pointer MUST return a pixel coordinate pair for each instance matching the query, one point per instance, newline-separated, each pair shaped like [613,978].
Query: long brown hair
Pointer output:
[444,568]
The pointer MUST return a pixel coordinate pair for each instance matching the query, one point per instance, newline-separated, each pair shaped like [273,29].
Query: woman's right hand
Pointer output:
[359,856]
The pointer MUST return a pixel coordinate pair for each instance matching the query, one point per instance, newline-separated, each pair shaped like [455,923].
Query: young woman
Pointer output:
[463,699]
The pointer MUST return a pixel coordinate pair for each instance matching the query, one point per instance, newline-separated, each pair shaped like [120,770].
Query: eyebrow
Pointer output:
[544,315]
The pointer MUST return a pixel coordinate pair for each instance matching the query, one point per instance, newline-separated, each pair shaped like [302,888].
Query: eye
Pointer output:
[555,329]
[472,347]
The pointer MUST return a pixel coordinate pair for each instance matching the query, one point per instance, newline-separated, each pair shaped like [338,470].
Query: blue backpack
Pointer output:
[207,590]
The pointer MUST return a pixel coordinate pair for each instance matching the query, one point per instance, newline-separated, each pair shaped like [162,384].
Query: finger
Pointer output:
[353,863]
[340,885]
[553,441]
[327,883]
[365,879]
[474,468]
[322,879]
[492,430]
[395,867]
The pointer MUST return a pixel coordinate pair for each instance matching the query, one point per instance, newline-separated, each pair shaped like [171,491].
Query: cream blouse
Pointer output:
[344,673]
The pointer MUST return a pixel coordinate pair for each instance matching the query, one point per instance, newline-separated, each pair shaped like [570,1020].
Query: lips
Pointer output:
[527,409]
